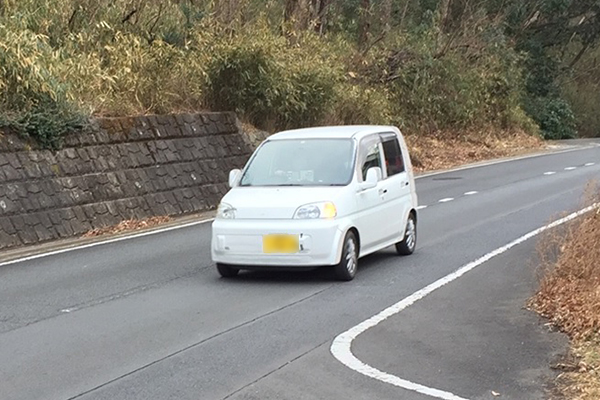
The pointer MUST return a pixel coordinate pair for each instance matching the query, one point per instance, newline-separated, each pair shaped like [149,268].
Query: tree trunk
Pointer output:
[404,12]
[444,10]
[386,14]
[290,10]
[579,55]
[303,15]
[364,22]
[320,9]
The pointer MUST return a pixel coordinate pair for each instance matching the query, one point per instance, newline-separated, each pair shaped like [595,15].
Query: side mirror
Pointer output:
[374,175]
[234,177]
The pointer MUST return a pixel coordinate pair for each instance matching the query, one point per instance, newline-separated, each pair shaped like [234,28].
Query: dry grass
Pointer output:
[128,225]
[447,150]
[581,377]
[569,296]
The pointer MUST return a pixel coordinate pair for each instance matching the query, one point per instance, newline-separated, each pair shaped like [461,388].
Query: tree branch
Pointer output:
[127,17]
[579,55]
[72,18]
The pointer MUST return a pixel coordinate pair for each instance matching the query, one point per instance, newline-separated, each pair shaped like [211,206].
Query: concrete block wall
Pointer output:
[126,168]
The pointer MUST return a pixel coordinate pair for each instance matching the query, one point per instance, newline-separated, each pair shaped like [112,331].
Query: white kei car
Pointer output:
[318,197]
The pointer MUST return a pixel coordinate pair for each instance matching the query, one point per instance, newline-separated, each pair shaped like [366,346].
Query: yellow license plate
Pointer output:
[281,244]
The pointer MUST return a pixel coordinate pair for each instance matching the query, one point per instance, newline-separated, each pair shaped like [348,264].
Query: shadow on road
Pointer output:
[310,275]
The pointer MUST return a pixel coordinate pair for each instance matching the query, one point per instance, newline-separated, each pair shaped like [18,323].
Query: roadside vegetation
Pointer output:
[433,67]
[569,296]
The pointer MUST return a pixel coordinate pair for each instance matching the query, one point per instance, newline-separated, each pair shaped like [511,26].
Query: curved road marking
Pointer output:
[341,348]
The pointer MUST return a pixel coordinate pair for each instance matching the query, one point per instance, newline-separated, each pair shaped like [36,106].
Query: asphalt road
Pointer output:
[149,318]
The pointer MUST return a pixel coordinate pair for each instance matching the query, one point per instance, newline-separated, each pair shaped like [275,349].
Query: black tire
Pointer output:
[227,271]
[346,269]
[407,246]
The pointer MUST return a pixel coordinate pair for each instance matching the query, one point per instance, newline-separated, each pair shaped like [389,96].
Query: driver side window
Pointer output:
[372,159]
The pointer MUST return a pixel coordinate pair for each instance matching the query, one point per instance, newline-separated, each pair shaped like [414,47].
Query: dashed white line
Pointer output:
[589,164]
[446,200]
[570,168]
[549,173]
[471,193]
[421,207]
[341,348]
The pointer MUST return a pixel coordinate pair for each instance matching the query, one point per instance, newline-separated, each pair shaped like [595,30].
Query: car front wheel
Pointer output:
[227,271]
[346,269]
[409,243]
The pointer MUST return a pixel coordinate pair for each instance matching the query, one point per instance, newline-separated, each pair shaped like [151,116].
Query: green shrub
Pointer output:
[581,88]
[34,100]
[244,80]
[436,94]
[554,116]
[66,59]
[48,122]
[357,104]
[584,98]
[260,78]
[305,99]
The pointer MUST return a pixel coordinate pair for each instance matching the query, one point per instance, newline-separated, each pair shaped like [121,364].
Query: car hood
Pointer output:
[280,202]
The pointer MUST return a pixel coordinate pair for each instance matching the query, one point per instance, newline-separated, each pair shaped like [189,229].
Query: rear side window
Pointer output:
[393,155]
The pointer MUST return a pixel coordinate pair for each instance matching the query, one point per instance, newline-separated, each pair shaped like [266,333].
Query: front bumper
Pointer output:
[240,242]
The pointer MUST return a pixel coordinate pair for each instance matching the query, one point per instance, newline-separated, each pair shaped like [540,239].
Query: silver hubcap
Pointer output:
[411,234]
[351,256]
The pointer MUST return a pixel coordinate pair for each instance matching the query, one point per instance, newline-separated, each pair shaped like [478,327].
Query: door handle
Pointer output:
[382,191]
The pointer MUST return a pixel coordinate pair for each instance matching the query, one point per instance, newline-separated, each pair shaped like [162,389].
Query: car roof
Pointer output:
[333,132]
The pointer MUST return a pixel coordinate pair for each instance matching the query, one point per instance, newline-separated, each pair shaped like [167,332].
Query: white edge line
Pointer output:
[103,242]
[161,230]
[341,348]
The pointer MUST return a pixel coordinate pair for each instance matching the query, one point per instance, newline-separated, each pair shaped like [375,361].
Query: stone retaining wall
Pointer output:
[127,168]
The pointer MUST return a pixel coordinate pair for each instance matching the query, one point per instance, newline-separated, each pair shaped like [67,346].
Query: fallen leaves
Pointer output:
[128,225]
[569,296]
[447,150]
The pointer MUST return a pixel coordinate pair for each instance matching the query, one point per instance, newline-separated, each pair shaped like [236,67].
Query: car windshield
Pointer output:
[301,162]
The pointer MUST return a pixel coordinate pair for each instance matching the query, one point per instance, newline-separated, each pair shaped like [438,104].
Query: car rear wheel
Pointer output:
[409,243]
[346,269]
[227,271]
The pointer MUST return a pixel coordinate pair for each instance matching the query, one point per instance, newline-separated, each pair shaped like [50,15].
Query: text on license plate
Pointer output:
[280,244]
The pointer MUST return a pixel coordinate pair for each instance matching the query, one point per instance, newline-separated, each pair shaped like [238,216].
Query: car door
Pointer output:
[370,218]
[395,186]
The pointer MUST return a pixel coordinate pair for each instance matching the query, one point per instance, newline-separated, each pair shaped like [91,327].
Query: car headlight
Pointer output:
[225,211]
[324,210]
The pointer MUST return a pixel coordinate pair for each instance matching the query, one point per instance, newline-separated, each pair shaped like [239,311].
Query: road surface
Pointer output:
[149,318]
